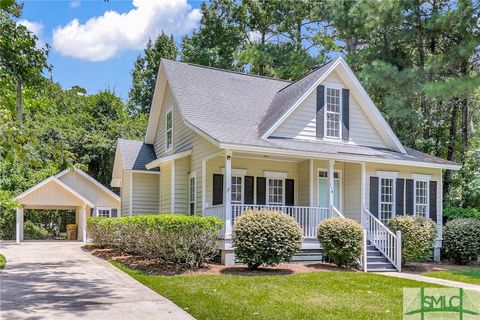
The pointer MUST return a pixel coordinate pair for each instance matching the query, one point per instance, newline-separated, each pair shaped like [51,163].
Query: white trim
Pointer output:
[387,174]
[130,203]
[116,183]
[427,189]
[423,177]
[394,196]
[363,179]
[172,186]
[157,162]
[60,183]
[142,171]
[157,100]
[236,172]
[103,208]
[159,194]
[325,111]
[275,175]
[267,189]
[336,157]
[204,185]
[167,111]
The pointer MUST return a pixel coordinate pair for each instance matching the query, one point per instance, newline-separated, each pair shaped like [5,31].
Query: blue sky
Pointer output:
[94,43]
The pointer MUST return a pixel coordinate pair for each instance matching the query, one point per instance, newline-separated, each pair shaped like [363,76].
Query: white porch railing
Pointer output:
[388,243]
[307,217]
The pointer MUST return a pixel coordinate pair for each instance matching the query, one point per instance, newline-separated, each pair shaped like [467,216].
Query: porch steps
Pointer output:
[376,261]
[307,255]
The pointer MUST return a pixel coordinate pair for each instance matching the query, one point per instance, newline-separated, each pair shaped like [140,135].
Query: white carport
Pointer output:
[69,190]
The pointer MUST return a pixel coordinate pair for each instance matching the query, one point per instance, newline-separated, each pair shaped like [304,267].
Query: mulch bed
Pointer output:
[156,267]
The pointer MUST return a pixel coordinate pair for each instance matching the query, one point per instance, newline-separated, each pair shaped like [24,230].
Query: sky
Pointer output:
[94,43]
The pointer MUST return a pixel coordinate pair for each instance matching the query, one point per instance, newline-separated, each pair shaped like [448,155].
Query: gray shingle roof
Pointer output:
[136,154]
[286,97]
[235,108]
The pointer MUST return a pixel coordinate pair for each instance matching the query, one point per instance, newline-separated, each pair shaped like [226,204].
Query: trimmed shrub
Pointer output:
[263,237]
[418,236]
[450,213]
[32,231]
[461,240]
[178,241]
[341,240]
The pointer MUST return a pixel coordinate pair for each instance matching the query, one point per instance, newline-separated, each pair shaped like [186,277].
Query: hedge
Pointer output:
[178,241]
[341,240]
[263,237]
[461,240]
[418,236]
[450,213]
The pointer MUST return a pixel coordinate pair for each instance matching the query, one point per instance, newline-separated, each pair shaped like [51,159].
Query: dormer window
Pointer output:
[169,130]
[333,113]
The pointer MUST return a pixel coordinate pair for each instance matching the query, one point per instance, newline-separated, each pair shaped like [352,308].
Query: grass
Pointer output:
[2,262]
[463,275]
[316,295]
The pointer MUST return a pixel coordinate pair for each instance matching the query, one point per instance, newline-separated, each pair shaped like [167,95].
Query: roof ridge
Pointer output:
[231,71]
[309,73]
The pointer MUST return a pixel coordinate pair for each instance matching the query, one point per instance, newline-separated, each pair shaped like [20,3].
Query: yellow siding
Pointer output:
[89,190]
[304,183]
[352,187]
[182,169]
[301,124]
[182,135]
[51,194]
[165,178]
[145,194]
[125,193]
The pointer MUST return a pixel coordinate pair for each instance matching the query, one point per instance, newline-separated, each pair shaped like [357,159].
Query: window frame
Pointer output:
[340,185]
[168,147]
[427,197]
[393,178]
[268,192]
[193,201]
[325,112]
[97,209]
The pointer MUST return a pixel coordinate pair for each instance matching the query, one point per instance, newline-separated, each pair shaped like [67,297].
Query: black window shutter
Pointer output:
[248,193]
[433,200]
[114,213]
[261,190]
[399,197]
[217,197]
[409,200]
[320,110]
[345,114]
[374,196]
[289,192]
[91,212]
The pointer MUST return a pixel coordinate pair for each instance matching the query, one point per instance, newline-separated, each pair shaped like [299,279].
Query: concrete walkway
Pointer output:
[57,280]
[418,277]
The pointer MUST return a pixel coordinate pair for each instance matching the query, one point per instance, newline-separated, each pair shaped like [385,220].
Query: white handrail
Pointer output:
[339,214]
[389,244]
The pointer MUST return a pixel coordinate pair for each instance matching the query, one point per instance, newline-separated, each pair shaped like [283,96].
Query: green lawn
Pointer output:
[463,275]
[316,295]
[2,262]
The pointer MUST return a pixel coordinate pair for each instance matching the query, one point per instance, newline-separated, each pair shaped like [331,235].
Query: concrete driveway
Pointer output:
[57,280]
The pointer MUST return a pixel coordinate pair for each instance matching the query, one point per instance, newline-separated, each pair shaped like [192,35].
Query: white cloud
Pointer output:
[75,3]
[36,28]
[101,38]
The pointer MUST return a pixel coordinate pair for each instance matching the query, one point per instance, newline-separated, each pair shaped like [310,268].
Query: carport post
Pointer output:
[83,219]
[19,233]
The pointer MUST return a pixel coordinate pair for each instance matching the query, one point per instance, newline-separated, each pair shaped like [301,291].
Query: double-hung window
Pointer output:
[103,212]
[275,192]
[169,130]
[237,190]
[332,113]
[192,193]
[421,198]
[387,199]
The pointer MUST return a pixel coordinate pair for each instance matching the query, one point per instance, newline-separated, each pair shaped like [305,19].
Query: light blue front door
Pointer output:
[323,192]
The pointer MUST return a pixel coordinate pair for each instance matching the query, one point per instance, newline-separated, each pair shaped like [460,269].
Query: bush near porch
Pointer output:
[461,240]
[451,213]
[178,241]
[263,237]
[341,240]
[418,237]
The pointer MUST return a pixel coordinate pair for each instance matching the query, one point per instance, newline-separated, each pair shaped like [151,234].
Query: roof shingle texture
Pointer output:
[136,154]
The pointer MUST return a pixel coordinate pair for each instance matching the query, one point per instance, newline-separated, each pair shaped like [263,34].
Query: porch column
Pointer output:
[204,185]
[19,225]
[228,194]
[83,223]
[331,186]
[362,192]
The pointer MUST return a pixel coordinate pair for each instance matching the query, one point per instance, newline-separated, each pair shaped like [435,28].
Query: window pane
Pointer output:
[386,199]
[275,192]
[421,198]
[333,113]
[236,190]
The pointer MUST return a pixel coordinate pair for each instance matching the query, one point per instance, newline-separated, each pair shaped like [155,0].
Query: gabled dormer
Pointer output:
[328,105]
